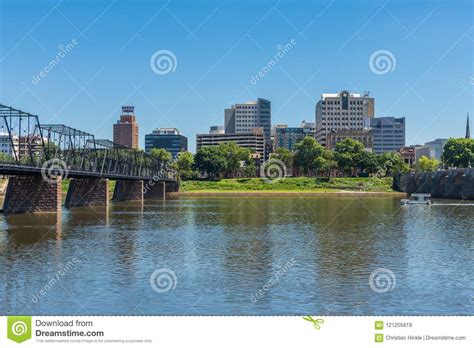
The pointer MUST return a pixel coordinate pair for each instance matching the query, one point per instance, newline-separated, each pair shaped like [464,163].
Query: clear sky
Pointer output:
[219,46]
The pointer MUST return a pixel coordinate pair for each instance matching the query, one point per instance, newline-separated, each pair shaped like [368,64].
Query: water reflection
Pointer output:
[225,249]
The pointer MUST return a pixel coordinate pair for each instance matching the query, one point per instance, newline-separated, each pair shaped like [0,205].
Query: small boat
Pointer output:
[417,198]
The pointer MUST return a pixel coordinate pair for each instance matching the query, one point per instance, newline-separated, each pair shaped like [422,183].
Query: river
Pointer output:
[271,255]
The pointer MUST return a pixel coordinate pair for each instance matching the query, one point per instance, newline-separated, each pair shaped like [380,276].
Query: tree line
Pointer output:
[228,160]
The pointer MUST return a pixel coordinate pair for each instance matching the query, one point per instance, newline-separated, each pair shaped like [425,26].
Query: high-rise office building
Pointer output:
[169,139]
[342,112]
[288,137]
[126,128]
[253,140]
[243,118]
[388,132]
[365,136]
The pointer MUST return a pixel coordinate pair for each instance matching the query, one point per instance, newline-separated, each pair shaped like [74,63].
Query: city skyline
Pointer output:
[266,53]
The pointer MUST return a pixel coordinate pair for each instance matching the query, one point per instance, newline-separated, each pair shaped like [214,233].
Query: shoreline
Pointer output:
[289,193]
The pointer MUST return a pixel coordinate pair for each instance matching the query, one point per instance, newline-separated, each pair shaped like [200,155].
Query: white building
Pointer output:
[432,149]
[244,118]
[342,111]
[6,144]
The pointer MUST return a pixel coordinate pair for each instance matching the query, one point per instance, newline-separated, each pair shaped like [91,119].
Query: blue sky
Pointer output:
[219,46]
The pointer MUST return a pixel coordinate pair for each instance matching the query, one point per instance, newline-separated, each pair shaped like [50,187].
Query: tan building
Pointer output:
[365,136]
[126,129]
[254,140]
[342,111]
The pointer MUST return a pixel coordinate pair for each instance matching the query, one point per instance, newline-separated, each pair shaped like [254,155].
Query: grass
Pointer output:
[301,184]
[65,185]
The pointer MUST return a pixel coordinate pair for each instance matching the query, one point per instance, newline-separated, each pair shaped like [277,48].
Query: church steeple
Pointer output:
[468,131]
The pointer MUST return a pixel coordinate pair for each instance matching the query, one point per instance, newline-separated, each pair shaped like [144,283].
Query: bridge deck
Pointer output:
[29,170]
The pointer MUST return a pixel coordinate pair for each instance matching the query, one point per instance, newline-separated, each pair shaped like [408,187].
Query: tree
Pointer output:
[426,164]
[326,162]
[459,153]
[250,169]
[391,163]
[5,158]
[306,153]
[346,153]
[185,165]
[233,155]
[161,154]
[284,155]
[209,160]
[367,162]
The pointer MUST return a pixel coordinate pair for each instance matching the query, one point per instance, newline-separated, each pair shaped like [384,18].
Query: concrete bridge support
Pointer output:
[30,193]
[87,192]
[128,190]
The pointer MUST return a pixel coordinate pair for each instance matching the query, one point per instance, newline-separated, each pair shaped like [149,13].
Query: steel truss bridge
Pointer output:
[30,148]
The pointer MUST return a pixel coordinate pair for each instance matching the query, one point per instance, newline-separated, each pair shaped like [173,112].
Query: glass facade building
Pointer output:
[169,139]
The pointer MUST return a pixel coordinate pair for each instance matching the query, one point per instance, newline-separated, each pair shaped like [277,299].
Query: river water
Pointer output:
[322,255]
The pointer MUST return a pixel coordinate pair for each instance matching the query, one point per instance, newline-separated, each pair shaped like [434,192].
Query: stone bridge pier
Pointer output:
[31,193]
[128,190]
[159,189]
[87,192]
[455,183]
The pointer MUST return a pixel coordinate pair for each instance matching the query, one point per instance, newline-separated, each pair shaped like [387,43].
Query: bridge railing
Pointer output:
[25,142]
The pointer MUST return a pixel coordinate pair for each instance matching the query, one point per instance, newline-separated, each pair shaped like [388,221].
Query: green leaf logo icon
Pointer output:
[19,328]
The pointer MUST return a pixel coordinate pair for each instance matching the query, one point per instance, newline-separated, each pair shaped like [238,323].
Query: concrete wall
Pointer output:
[28,194]
[456,183]
[87,192]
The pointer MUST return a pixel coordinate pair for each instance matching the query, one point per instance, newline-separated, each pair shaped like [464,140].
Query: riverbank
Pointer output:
[289,193]
[371,187]
[290,186]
